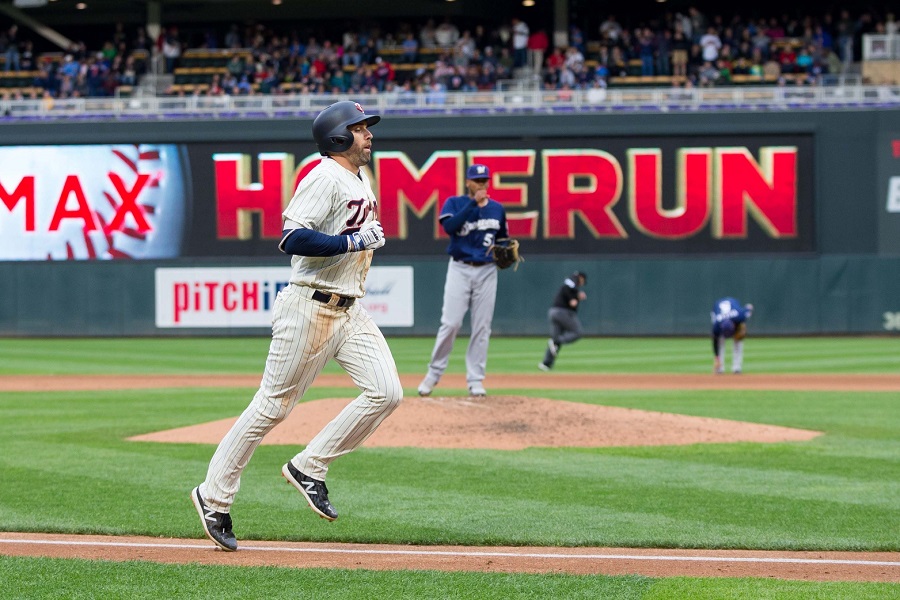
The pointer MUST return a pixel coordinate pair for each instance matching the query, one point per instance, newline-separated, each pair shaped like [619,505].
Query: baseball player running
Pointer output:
[563,316]
[729,320]
[474,222]
[330,229]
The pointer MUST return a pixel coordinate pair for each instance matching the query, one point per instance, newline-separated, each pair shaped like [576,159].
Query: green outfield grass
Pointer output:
[66,467]
[507,355]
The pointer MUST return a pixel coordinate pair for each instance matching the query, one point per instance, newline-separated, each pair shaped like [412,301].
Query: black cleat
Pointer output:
[217,525]
[313,490]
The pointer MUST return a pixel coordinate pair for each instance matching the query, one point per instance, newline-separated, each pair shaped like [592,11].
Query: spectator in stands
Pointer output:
[663,43]
[446,34]
[410,49]
[864,25]
[538,43]
[368,52]
[576,38]
[574,59]
[618,67]
[171,49]
[724,67]
[771,68]
[427,34]
[141,41]
[775,30]
[611,30]
[711,45]
[384,72]
[128,74]
[12,48]
[464,49]
[762,41]
[520,34]
[646,51]
[680,51]
[709,75]
[787,59]
[26,56]
[699,24]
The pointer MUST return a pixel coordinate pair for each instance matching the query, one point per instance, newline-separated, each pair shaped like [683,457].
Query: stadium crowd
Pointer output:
[684,49]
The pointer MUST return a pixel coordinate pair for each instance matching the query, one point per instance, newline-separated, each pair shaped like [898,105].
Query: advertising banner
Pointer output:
[216,297]
[889,185]
[93,202]
[611,195]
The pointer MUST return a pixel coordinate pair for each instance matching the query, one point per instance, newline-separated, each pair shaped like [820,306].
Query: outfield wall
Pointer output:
[798,212]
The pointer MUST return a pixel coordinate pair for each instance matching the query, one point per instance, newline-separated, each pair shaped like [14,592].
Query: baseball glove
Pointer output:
[506,256]
[741,332]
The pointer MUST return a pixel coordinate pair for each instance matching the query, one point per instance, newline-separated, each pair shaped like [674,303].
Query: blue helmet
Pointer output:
[331,126]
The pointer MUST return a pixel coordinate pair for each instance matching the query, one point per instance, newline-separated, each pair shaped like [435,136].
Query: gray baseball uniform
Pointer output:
[466,287]
[307,333]
[475,223]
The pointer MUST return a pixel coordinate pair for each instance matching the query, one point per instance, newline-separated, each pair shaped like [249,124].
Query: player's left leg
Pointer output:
[570,326]
[365,355]
[737,356]
[481,315]
[291,367]
[720,357]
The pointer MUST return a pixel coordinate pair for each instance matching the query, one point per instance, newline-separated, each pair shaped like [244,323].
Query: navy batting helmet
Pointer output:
[331,127]
[578,274]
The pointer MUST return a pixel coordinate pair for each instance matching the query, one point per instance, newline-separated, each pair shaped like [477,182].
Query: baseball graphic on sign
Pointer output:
[128,201]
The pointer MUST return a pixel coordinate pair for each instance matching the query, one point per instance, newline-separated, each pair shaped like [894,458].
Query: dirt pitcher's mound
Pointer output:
[504,423]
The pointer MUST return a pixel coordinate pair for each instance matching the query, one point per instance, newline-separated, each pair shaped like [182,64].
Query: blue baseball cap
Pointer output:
[478,172]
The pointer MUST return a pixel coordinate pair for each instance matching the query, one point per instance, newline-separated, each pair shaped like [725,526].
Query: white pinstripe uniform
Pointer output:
[307,333]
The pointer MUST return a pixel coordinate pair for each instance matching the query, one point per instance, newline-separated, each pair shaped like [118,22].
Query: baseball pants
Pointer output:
[472,289]
[306,334]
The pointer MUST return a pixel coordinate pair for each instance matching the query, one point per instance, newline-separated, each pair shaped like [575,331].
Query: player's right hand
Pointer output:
[369,237]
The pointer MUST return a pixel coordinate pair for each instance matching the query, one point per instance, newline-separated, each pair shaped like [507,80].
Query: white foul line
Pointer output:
[744,559]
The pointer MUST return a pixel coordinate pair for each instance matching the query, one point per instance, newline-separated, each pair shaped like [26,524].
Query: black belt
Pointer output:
[472,263]
[333,299]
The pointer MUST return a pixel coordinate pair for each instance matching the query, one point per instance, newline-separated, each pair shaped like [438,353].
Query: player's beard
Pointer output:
[359,156]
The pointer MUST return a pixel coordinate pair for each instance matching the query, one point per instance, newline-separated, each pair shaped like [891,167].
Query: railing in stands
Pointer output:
[738,98]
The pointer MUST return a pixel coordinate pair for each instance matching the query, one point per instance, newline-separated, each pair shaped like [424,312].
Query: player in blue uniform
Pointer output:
[474,223]
[729,320]
[563,315]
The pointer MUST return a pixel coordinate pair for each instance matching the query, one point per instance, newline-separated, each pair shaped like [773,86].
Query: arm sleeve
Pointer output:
[306,242]
[715,343]
[503,232]
[452,224]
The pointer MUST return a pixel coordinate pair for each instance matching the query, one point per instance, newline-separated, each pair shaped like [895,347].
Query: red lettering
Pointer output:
[250,295]
[23,191]
[72,186]
[401,185]
[129,203]
[228,301]
[179,299]
[692,206]
[197,296]
[211,293]
[768,191]
[237,199]
[586,183]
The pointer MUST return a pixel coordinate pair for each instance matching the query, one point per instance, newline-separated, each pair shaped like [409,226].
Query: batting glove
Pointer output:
[369,237]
